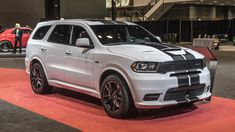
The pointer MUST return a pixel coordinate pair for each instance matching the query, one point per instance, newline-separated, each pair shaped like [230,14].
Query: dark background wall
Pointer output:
[30,12]
[187,30]
[203,12]
[82,8]
[25,12]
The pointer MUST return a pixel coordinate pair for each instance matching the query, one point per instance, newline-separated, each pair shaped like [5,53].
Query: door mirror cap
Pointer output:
[159,38]
[84,43]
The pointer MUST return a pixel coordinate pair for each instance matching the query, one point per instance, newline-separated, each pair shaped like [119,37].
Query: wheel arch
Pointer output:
[7,41]
[122,74]
[37,60]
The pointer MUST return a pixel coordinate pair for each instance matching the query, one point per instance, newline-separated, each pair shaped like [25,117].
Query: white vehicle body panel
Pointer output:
[81,71]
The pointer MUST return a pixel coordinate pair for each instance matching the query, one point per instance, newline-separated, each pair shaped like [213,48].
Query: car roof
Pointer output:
[87,21]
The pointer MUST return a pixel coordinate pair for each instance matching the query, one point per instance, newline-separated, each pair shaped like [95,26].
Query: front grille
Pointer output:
[184,92]
[180,66]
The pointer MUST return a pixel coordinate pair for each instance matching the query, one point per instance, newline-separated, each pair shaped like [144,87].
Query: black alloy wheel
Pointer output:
[38,80]
[112,96]
[115,97]
[5,46]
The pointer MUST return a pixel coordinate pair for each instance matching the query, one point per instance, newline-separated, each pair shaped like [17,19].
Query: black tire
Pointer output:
[38,80]
[115,97]
[5,46]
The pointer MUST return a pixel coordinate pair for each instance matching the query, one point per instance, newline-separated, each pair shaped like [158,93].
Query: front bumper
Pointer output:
[27,65]
[145,84]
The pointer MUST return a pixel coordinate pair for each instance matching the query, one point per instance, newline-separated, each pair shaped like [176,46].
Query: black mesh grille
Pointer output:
[180,65]
[184,92]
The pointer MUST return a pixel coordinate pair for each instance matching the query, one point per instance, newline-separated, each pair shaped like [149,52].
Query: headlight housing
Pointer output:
[145,67]
[205,62]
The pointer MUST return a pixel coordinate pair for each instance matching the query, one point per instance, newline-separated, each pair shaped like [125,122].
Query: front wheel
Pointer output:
[38,80]
[5,46]
[115,97]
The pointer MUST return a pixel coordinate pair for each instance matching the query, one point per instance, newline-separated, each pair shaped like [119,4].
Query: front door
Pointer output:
[79,61]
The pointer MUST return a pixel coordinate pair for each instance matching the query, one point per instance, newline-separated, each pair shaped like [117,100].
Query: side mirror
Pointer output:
[159,38]
[84,43]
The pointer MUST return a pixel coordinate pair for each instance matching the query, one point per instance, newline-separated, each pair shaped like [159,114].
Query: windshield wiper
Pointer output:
[111,44]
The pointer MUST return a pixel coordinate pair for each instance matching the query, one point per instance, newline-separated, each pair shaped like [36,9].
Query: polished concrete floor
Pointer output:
[224,82]
[225,76]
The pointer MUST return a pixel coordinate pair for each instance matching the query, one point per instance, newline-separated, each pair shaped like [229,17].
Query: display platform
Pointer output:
[11,55]
[85,112]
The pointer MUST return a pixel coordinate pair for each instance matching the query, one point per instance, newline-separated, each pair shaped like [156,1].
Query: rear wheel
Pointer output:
[115,97]
[5,46]
[38,80]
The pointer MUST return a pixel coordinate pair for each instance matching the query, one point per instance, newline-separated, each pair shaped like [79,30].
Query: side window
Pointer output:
[41,32]
[79,32]
[61,34]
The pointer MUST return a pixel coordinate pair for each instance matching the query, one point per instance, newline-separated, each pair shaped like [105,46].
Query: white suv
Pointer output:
[119,62]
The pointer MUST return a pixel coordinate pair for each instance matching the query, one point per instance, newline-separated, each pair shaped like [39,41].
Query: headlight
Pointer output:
[205,62]
[145,67]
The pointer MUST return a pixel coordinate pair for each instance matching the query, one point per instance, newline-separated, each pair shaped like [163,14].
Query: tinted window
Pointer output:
[79,32]
[41,32]
[60,34]
[123,34]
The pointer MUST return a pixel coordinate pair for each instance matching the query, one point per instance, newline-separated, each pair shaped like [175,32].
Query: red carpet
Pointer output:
[85,113]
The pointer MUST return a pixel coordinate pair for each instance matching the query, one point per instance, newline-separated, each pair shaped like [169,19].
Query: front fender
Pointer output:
[40,61]
[123,73]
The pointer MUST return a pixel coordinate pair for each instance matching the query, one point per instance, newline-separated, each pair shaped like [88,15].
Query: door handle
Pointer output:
[69,52]
[43,49]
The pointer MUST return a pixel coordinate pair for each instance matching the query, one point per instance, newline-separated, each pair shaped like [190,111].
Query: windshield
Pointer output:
[123,34]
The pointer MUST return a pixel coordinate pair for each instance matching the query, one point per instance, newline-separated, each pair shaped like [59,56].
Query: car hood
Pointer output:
[155,52]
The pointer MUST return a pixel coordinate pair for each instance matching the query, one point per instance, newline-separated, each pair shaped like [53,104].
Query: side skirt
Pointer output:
[81,89]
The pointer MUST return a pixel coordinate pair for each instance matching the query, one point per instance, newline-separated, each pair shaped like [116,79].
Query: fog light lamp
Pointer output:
[151,97]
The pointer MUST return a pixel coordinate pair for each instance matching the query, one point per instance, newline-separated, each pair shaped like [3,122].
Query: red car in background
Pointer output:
[7,38]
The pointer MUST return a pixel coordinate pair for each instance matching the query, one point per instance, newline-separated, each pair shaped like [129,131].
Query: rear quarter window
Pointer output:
[41,32]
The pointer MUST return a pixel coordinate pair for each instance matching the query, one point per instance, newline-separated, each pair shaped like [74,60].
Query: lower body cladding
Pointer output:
[157,90]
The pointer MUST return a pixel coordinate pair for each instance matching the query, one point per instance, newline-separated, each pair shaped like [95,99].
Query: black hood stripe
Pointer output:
[175,57]
[157,46]
[189,56]
[161,47]
[183,80]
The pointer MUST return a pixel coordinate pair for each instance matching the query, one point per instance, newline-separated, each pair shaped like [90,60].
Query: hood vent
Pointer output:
[171,49]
